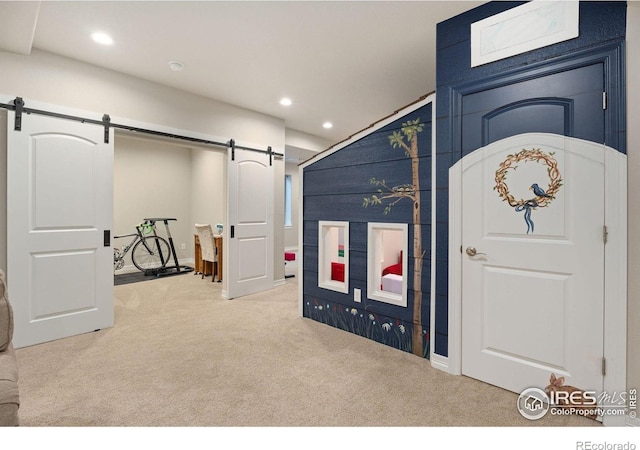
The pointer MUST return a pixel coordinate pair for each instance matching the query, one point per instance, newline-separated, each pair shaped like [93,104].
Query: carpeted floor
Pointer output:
[180,355]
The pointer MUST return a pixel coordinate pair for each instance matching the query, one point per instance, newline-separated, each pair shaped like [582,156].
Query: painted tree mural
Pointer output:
[407,140]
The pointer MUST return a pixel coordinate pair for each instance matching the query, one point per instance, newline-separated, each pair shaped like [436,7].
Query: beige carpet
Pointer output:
[180,355]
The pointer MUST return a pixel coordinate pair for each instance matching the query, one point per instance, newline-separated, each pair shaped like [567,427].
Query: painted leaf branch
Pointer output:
[386,193]
[409,131]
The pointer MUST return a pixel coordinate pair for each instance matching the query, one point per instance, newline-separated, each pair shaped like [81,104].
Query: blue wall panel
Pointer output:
[334,189]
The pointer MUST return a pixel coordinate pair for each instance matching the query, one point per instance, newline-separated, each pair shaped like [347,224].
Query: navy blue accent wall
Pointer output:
[601,39]
[334,189]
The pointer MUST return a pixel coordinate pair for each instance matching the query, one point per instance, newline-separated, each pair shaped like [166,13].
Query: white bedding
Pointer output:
[392,283]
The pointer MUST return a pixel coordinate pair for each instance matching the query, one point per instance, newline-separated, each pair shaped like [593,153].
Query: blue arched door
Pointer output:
[532,262]
[569,103]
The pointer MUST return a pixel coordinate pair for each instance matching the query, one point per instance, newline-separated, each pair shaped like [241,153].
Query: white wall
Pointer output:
[300,140]
[208,187]
[278,219]
[299,147]
[53,79]
[291,233]
[48,78]
[392,245]
[154,179]
[633,154]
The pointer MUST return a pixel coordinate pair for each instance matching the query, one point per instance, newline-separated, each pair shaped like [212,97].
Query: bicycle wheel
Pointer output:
[150,253]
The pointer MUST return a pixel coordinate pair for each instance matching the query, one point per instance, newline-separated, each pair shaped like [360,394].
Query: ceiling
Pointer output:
[350,63]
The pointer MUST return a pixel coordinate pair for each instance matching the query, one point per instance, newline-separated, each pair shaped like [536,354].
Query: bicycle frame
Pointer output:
[150,252]
[137,236]
[125,249]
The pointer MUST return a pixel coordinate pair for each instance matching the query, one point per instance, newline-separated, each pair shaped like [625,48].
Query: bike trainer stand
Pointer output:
[176,269]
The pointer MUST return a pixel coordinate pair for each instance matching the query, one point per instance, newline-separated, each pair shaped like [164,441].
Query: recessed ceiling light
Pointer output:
[102,38]
[327,125]
[285,101]
[176,66]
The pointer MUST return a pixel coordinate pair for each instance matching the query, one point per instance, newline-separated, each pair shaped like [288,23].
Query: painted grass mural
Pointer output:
[385,330]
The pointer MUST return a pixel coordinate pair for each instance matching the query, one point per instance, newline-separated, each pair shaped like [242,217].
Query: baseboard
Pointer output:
[439,362]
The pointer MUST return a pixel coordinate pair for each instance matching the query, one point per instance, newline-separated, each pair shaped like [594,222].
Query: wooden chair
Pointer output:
[207,248]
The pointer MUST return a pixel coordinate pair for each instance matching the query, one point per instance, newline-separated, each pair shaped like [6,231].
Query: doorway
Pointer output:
[561,120]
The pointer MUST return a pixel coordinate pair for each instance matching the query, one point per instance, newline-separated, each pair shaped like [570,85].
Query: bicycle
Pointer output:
[150,253]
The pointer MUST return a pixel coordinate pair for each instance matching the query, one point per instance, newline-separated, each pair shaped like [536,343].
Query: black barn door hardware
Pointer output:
[19,107]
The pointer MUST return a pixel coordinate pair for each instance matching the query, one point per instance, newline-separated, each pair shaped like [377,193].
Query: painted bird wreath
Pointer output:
[542,197]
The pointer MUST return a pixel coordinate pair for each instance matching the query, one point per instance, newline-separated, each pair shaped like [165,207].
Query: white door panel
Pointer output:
[250,214]
[61,164]
[253,254]
[60,202]
[252,180]
[533,302]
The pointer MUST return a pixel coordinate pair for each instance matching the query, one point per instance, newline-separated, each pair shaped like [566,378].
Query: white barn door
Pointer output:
[250,223]
[533,262]
[60,203]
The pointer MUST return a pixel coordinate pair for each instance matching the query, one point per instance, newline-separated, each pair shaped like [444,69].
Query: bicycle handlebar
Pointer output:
[146,227]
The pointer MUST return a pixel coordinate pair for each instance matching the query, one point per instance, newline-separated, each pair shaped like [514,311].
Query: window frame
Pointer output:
[324,270]
[374,268]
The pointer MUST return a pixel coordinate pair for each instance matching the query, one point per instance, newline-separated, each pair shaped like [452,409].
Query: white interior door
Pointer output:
[60,202]
[533,296]
[250,219]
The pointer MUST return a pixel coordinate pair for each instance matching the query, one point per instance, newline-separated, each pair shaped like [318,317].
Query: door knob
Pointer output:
[471,251]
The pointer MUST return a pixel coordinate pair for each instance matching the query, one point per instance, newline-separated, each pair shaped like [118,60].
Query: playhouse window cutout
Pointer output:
[387,262]
[333,256]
